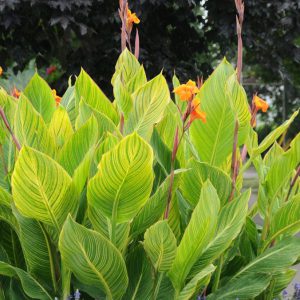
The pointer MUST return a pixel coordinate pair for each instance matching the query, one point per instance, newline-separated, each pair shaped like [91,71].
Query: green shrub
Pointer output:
[135,199]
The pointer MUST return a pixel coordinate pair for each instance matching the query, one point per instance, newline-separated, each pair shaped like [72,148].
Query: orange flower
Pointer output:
[56,97]
[186,91]
[197,113]
[16,93]
[1,71]
[260,104]
[132,18]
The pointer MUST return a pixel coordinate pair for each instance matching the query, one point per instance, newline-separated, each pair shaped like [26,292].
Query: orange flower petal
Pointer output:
[186,91]
[16,93]
[260,104]
[1,71]
[132,18]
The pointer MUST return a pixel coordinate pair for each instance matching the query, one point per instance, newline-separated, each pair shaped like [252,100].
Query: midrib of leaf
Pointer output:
[160,257]
[259,260]
[45,199]
[212,160]
[103,281]
[137,287]
[281,231]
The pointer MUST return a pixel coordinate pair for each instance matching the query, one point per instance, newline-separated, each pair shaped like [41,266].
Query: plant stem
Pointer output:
[218,273]
[293,183]
[2,114]
[234,162]
[157,282]
[65,281]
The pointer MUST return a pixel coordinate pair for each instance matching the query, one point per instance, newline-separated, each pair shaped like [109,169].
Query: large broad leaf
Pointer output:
[75,156]
[286,220]
[244,288]
[154,208]
[198,233]
[87,89]
[140,275]
[30,286]
[273,136]
[149,103]
[31,130]
[46,193]
[124,179]
[214,139]
[230,222]
[60,126]
[40,95]
[105,124]
[39,259]
[102,224]
[197,174]
[196,284]
[160,245]
[69,103]
[274,260]
[93,259]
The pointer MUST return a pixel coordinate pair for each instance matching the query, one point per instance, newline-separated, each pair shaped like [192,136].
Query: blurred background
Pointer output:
[186,36]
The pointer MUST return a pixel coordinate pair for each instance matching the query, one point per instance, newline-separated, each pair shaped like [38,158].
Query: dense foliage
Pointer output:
[134,199]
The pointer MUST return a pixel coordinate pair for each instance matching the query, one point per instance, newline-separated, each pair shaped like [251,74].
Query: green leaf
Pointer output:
[282,280]
[104,123]
[76,154]
[5,197]
[197,174]
[46,193]
[38,258]
[286,220]
[31,130]
[230,222]
[198,233]
[30,286]
[40,95]
[152,211]
[244,288]
[69,103]
[124,179]
[214,139]
[87,89]
[197,283]
[160,245]
[93,259]
[103,225]
[273,136]
[149,103]
[60,126]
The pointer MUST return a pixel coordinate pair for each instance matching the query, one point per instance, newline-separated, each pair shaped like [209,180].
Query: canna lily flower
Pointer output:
[196,112]
[56,97]
[1,71]
[260,104]
[16,93]
[50,70]
[186,91]
[132,18]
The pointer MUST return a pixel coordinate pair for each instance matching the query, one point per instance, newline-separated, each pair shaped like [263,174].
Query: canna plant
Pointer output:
[143,197]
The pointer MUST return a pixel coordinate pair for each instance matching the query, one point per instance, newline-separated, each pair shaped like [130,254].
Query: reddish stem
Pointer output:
[293,183]
[2,114]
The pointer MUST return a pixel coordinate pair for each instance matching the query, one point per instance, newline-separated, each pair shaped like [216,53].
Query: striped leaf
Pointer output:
[87,89]
[160,245]
[69,103]
[197,235]
[40,95]
[196,284]
[30,285]
[93,259]
[46,193]
[230,222]
[223,100]
[197,174]
[273,136]
[247,287]
[60,126]
[31,130]
[286,220]
[149,103]
[76,154]
[124,180]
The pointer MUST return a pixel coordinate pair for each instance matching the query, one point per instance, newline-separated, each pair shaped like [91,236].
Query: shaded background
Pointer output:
[188,36]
